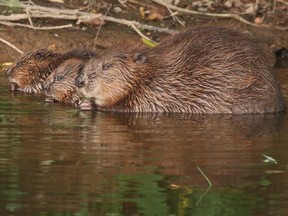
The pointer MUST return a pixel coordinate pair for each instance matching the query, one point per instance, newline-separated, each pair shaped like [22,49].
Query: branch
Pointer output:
[36,28]
[231,16]
[55,13]
[11,45]
[141,34]
[283,2]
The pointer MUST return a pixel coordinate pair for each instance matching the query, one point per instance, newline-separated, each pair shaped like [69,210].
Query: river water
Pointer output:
[59,161]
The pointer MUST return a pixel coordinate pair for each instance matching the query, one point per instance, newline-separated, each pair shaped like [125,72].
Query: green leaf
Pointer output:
[149,42]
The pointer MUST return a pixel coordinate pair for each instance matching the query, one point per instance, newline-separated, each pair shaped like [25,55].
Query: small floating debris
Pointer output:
[271,172]
[269,159]
[47,162]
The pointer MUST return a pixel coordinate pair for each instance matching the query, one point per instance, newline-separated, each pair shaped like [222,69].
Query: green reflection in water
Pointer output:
[219,202]
[10,192]
[145,192]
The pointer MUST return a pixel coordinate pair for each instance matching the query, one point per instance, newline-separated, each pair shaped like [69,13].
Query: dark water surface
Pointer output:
[58,161]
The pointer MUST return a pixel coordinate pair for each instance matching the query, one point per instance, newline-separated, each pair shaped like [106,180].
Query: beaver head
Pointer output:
[30,70]
[60,85]
[109,79]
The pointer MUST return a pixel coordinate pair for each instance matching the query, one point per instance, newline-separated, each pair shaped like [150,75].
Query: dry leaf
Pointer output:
[52,47]
[142,12]
[258,20]
[154,13]
[94,22]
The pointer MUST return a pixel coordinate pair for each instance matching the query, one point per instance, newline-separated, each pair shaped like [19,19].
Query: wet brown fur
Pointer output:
[199,70]
[60,85]
[30,70]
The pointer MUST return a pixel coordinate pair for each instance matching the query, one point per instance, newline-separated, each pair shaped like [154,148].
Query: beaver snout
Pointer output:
[80,80]
[46,86]
[14,87]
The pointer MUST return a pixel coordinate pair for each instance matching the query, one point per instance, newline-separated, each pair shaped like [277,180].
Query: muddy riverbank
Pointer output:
[83,35]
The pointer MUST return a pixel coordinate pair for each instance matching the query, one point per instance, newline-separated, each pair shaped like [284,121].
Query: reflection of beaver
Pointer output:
[60,85]
[199,70]
[31,69]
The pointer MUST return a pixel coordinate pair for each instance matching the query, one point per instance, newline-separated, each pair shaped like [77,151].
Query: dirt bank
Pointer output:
[83,35]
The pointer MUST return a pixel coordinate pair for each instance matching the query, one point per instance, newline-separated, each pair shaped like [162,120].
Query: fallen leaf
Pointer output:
[258,20]
[94,22]
[52,47]
[153,13]
[148,42]
[142,12]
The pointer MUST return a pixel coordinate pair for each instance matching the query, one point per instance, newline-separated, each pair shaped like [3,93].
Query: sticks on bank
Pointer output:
[230,16]
[35,28]
[36,11]
[11,45]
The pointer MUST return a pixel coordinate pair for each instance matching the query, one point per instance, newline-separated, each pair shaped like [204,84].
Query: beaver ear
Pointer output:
[139,58]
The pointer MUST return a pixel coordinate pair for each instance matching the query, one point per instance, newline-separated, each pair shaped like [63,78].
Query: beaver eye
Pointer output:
[19,64]
[39,56]
[58,78]
[106,66]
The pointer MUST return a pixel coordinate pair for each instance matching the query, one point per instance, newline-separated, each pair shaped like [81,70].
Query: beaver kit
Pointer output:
[31,69]
[205,70]
[60,85]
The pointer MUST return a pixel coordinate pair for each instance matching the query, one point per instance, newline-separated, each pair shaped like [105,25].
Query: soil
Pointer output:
[83,35]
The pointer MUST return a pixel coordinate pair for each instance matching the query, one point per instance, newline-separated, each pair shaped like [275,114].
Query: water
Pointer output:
[58,161]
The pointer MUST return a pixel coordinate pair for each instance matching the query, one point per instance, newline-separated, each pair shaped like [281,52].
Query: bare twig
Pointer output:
[122,2]
[11,45]
[102,21]
[138,3]
[283,2]
[174,16]
[231,16]
[207,190]
[139,25]
[35,28]
[54,13]
[28,14]
[141,34]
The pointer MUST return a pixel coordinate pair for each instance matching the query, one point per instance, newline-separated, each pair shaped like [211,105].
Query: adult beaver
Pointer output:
[60,85]
[30,70]
[199,70]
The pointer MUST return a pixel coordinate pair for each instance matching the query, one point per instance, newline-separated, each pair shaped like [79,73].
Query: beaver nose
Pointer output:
[14,86]
[45,86]
[80,80]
